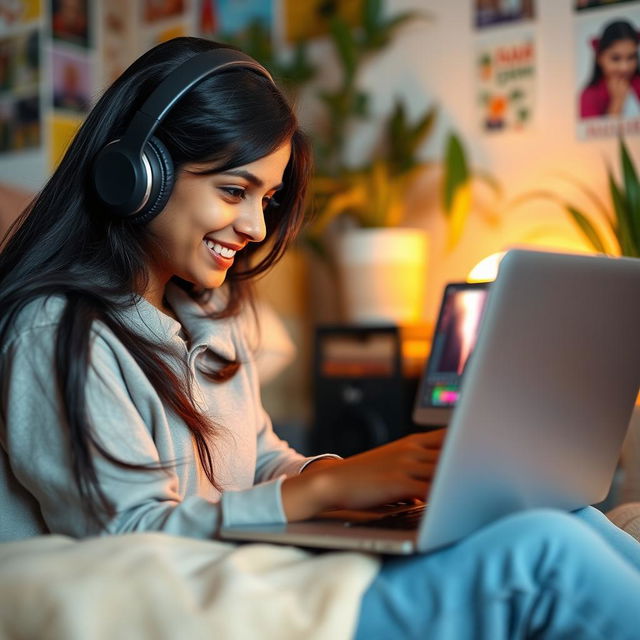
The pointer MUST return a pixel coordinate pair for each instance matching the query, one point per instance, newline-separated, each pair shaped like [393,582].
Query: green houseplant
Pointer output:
[372,194]
[621,217]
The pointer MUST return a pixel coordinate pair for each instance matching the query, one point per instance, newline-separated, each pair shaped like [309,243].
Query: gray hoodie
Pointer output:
[37,491]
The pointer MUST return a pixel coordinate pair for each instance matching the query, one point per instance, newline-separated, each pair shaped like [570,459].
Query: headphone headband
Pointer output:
[181,80]
[133,176]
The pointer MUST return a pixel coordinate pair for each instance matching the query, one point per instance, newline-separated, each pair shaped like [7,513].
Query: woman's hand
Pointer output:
[400,470]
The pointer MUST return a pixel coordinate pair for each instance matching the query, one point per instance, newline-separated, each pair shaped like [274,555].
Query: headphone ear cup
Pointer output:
[120,179]
[162,179]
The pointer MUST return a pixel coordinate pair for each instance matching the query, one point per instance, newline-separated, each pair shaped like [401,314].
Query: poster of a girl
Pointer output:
[614,86]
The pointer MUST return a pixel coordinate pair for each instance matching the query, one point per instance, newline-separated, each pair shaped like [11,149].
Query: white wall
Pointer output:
[433,62]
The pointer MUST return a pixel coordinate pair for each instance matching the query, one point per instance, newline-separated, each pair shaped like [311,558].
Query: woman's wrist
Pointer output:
[320,463]
[309,493]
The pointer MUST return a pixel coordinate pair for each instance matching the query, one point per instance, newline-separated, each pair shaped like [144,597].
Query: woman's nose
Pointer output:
[250,223]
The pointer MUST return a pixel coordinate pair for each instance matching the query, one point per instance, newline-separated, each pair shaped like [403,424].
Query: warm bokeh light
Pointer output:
[487,269]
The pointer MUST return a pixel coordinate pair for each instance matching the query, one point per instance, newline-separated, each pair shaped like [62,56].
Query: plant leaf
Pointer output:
[424,126]
[456,172]
[588,230]
[403,139]
[300,70]
[345,47]
[622,215]
[632,191]
[460,207]
[360,106]
[416,135]
[371,17]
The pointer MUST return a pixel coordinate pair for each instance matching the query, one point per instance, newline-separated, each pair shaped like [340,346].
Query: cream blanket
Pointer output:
[155,586]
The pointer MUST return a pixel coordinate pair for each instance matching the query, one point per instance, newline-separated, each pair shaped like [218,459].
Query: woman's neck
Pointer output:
[155,295]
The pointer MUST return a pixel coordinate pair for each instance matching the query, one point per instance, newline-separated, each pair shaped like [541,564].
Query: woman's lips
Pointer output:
[223,256]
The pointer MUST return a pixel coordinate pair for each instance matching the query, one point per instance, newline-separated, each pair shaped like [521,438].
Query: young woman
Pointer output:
[614,87]
[130,400]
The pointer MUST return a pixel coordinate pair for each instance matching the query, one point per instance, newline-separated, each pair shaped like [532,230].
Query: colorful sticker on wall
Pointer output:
[582,5]
[310,19]
[72,86]
[6,125]
[235,16]
[488,13]
[18,11]
[6,64]
[26,72]
[607,73]
[61,129]
[155,10]
[20,123]
[207,18]
[27,132]
[505,71]
[20,63]
[70,21]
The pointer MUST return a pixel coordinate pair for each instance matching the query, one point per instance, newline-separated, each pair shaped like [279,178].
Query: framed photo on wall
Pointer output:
[70,21]
[488,13]
[608,72]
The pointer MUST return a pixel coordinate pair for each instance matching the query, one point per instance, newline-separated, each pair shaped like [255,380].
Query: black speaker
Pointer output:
[133,175]
[361,398]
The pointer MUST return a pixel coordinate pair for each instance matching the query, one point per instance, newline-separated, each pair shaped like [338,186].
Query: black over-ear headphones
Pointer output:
[133,175]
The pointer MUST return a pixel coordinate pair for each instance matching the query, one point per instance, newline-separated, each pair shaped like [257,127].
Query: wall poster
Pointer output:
[608,71]
[505,76]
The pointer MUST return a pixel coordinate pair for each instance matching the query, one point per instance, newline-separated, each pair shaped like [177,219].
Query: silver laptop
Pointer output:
[546,401]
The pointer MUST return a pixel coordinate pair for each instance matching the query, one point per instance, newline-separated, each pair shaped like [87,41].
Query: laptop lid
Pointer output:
[547,396]
[453,341]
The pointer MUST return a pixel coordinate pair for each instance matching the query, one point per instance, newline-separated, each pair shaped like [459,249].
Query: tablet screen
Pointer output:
[453,342]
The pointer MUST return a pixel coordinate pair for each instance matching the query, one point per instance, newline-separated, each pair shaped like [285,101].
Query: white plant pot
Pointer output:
[383,275]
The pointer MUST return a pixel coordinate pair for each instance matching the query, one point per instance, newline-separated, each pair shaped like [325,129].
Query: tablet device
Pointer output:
[453,341]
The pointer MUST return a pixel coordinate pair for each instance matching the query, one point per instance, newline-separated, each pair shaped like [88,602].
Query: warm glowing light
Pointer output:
[487,269]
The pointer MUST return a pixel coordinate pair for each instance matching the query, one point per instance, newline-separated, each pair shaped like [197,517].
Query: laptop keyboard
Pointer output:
[406,519]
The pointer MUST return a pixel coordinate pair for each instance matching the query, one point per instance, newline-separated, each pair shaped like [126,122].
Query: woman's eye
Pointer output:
[235,193]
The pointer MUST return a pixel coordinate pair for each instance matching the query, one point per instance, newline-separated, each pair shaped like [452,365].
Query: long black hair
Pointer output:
[64,244]
[613,32]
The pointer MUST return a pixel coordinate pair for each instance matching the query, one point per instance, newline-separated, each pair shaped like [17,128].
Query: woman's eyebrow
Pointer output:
[249,177]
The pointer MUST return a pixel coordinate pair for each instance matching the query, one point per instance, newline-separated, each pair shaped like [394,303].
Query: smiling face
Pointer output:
[209,218]
[620,60]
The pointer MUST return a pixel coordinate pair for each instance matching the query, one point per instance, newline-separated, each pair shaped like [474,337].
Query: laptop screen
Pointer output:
[453,341]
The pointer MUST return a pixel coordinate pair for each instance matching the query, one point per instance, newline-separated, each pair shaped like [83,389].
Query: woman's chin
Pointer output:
[212,281]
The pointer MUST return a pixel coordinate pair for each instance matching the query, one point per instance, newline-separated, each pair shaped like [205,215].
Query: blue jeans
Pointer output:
[536,574]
